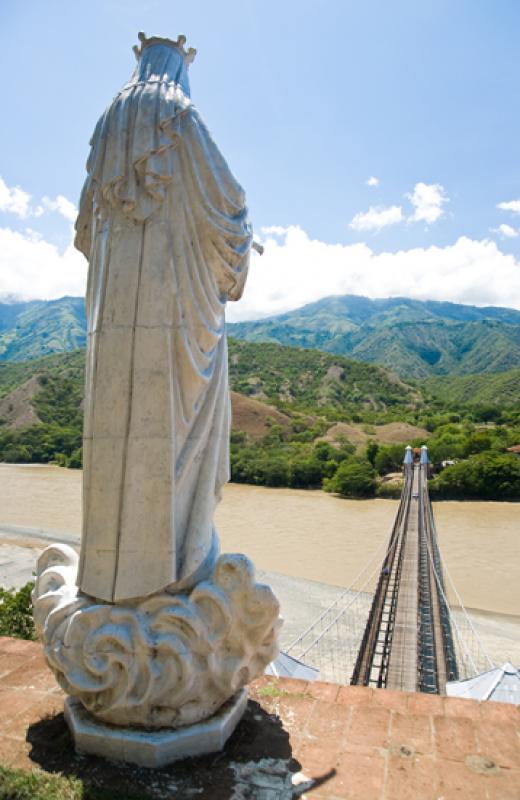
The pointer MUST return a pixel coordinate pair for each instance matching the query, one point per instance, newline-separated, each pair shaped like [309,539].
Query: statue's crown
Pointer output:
[179,43]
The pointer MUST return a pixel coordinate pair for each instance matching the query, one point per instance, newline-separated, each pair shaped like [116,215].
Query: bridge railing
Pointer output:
[351,640]
[388,580]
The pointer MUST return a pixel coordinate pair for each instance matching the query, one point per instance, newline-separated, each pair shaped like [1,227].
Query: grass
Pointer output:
[16,784]
[272,690]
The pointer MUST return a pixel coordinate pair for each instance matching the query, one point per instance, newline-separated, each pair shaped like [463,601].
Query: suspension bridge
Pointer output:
[402,624]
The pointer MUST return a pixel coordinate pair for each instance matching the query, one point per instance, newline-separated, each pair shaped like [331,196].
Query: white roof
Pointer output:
[501,684]
[408,455]
[285,666]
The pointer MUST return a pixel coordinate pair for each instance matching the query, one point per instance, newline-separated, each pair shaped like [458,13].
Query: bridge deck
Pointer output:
[403,663]
[407,644]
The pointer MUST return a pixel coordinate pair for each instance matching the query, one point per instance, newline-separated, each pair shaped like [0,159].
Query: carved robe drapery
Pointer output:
[164,227]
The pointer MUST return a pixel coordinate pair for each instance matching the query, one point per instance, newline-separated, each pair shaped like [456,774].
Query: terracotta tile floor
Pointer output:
[313,741]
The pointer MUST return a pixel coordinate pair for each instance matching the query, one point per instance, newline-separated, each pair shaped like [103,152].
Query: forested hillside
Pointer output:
[309,380]
[302,418]
[40,327]
[290,378]
[493,390]
[415,339]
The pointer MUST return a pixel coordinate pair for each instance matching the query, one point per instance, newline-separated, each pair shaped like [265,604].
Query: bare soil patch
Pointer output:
[359,435]
[397,432]
[254,417]
[15,408]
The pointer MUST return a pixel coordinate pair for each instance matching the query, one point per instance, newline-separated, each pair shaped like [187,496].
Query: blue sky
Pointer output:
[307,101]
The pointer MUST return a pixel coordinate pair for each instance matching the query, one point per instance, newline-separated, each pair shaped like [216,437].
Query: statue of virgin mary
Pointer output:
[164,226]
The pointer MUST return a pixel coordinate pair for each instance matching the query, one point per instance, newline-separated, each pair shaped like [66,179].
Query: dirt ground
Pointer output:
[253,417]
[359,435]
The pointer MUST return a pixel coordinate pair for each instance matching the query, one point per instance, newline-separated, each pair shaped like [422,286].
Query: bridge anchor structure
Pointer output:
[394,628]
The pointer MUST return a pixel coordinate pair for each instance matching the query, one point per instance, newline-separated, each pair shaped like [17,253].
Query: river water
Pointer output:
[309,534]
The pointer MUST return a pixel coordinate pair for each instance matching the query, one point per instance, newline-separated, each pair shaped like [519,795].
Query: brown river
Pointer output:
[309,534]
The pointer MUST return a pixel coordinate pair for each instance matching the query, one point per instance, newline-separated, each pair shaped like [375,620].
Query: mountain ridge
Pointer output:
[37,328]
[357,304]
[414,338]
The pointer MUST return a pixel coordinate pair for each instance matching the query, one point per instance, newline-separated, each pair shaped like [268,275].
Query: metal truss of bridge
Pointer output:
[394,628]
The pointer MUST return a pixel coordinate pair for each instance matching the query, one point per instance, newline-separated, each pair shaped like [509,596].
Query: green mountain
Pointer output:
[284,399]
[60,365]
[413,338]
[40,327]
[296,381]
[288,378]
[500,389]
[301,418]
[311,379]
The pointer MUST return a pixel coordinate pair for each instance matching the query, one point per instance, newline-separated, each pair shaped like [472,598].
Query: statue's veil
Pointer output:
[127,167]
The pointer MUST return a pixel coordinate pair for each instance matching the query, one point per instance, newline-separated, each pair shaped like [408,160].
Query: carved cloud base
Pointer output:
[165,661]
[153,748]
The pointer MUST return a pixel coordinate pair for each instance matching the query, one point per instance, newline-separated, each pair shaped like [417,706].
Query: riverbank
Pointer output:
[309,534]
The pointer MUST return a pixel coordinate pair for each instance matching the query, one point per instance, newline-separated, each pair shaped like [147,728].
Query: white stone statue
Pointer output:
[155,629]
[164,225]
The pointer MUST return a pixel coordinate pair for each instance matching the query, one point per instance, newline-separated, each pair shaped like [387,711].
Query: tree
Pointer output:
[486,476]
[371,452]
[306,472]
[354,478]
[389,458]
[15,454]
[478,442]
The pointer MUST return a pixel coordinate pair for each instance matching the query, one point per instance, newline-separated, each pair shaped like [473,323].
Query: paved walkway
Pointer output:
[19,549]
[317,741]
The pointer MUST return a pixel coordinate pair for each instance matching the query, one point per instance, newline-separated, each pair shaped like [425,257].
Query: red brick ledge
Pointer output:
[353,742]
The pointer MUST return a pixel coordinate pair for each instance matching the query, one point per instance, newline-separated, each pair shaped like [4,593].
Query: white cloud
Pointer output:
[296,269]
[511,205]
[427,199]
[274,230]
[61,205]
[14,200]
[31,268]
[506,230]
[377,217]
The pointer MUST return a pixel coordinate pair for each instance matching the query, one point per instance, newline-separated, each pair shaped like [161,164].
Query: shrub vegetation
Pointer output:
[355,477]
[486,476]
[16,612]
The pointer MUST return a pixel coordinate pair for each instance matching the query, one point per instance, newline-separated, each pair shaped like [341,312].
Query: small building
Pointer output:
[500,683]
[285,666]
[515,449]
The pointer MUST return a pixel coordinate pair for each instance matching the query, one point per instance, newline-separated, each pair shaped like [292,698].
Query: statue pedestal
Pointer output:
[161,677]
[153,748]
